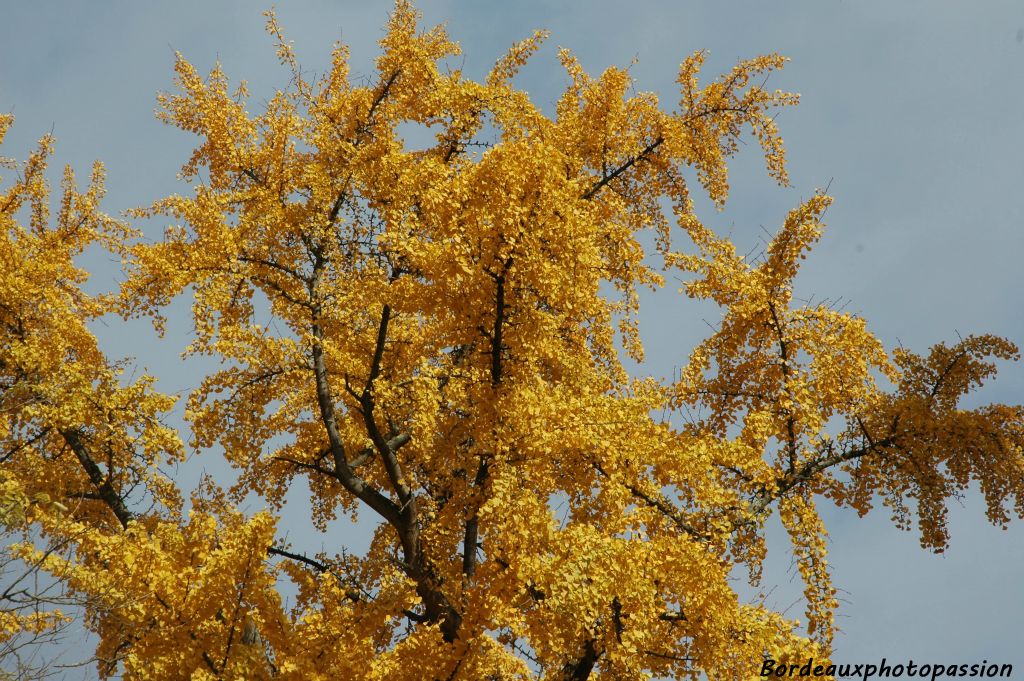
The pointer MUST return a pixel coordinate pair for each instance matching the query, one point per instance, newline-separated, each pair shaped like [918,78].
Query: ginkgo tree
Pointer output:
[446,357]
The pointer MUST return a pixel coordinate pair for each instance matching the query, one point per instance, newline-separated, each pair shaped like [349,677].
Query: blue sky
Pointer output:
[912,113]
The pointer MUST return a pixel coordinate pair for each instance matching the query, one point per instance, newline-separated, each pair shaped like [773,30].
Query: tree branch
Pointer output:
[659,503]
[632,161]
[386,508]
[104,488]
[471,540]
[790,418]
[581,669]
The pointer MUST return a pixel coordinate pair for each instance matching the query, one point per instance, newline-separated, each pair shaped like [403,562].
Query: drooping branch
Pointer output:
[784,358]
[320,567]
[658,502]
[352,594]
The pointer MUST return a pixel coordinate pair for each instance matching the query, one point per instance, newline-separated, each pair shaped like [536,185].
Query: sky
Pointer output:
[912,115]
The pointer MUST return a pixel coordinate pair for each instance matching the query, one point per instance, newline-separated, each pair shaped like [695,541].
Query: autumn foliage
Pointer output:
[446,358]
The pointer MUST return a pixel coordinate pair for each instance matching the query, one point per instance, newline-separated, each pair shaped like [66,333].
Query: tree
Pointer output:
[446,356]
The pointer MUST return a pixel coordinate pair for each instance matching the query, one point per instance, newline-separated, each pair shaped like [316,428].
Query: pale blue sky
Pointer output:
[914,111]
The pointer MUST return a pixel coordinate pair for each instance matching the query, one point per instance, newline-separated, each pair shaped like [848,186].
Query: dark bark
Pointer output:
[104,487]
[581,669]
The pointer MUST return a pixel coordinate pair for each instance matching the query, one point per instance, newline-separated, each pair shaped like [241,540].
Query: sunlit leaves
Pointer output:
[430,334]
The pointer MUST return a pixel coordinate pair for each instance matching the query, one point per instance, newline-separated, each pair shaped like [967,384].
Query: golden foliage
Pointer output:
[444,355]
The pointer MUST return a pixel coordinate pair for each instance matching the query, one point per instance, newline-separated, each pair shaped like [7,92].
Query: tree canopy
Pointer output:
[446,356]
